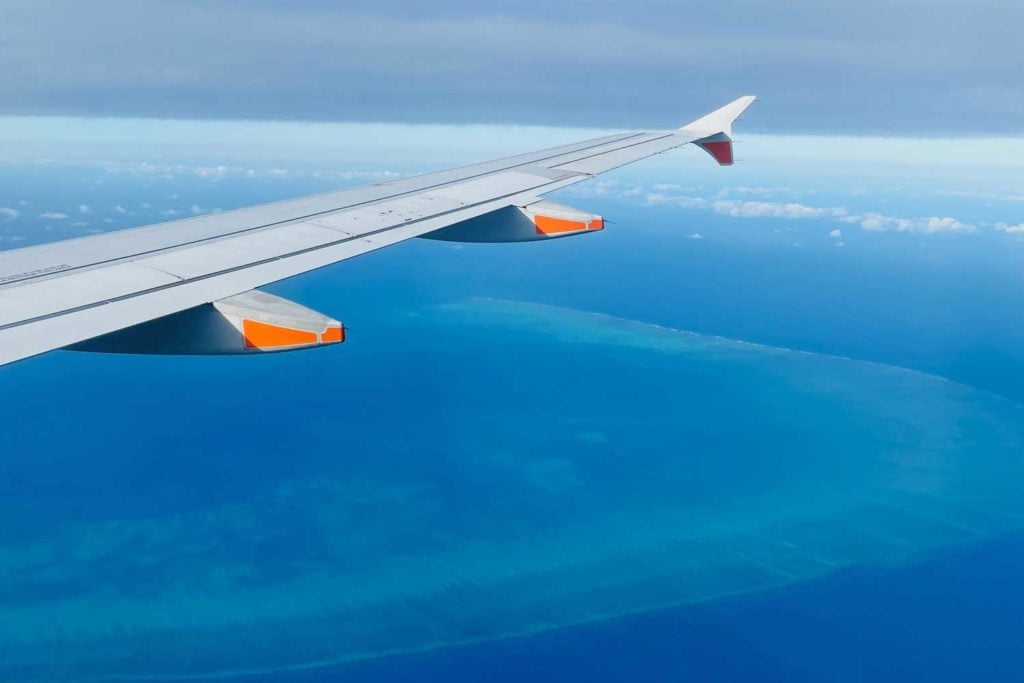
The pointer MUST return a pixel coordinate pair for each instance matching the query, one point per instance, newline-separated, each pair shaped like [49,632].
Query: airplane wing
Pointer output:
[191,286]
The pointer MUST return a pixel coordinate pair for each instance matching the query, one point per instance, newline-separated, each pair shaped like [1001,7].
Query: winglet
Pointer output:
[720,120]
[713,133]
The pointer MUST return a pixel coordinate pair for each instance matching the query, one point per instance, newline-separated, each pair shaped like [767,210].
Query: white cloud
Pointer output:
[879,222]
[213,171]
[84,208]
[195,208]
[1010,229]
[744,209]
[837,233]
[795,211]
[120,209]
[9,214]
[946,224]
[760,191]
[982,195]
[655,198]
[53,215]
[695,236]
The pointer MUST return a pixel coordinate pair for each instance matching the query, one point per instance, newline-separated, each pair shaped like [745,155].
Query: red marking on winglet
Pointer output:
[721,150]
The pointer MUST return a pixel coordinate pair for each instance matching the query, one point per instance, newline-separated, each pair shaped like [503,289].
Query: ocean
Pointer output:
[629,456]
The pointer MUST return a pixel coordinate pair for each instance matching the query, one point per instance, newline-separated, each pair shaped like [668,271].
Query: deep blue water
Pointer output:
[957,616]
[132,481]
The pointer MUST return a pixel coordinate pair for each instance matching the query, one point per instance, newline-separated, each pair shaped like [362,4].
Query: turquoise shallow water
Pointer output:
[530,467]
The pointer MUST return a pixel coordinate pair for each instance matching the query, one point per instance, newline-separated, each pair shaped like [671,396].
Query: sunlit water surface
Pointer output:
[531,467]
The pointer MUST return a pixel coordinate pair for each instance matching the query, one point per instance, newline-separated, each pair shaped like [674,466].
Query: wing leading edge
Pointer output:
[123,288]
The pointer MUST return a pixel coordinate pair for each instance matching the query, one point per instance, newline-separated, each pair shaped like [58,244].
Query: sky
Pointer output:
[906,67]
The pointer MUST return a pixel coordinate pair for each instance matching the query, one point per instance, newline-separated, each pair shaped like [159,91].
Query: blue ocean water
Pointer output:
[521,451]
[953,617]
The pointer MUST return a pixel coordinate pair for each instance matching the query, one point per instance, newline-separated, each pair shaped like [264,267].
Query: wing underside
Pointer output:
[99,288]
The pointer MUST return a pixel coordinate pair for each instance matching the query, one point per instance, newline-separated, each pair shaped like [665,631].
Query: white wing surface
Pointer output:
[186,286]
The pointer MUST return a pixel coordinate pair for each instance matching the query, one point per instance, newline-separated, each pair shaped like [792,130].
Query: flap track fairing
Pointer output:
[538,220]
[252,322]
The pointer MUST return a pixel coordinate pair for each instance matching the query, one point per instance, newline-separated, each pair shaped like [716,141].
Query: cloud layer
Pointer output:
[879,65]
[795,211]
